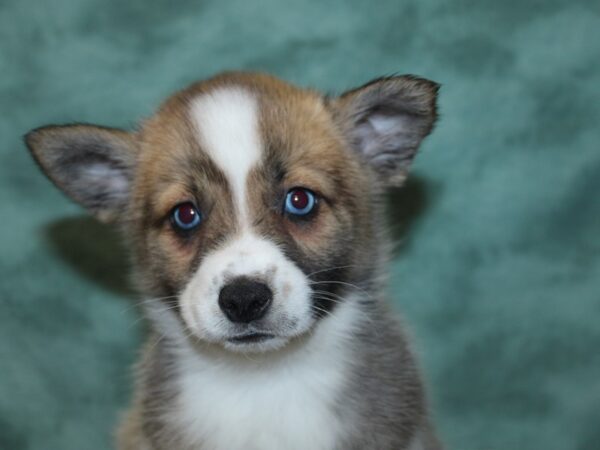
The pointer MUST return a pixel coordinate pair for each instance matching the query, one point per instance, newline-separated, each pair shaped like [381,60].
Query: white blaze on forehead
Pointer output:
[228,130]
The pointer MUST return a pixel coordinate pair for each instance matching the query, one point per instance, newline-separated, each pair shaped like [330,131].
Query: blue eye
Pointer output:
[299,202]
[185,216]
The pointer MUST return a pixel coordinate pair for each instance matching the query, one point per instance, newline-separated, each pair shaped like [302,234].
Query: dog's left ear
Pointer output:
[93,165]
[386,120]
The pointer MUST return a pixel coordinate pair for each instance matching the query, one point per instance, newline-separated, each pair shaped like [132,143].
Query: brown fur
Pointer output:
[303,147]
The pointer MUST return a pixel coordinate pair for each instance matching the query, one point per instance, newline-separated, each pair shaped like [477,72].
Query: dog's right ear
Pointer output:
[386,120]
[92,165]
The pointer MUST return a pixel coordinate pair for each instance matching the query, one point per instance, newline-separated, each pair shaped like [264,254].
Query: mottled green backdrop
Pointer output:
[498,262]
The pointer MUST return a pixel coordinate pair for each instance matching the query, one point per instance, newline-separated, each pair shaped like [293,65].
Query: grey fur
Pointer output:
[93,165]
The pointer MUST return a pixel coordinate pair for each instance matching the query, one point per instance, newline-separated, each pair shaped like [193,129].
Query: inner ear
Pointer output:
[92,165]
[383,132]
[386,120]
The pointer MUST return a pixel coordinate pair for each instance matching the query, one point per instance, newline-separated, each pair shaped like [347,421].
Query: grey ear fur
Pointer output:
[386,120]
[93,165]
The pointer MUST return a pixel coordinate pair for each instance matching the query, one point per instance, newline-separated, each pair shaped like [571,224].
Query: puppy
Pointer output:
[253,210]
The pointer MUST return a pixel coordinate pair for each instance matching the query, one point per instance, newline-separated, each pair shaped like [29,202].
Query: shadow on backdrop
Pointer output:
[92,249]
[404,207]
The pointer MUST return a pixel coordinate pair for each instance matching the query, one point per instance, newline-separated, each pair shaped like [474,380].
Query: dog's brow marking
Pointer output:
[227,124]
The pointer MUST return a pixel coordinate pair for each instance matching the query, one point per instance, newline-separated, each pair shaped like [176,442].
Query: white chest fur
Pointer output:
[264,401]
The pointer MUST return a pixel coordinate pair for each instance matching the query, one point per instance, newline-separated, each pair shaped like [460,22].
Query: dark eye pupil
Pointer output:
[299,199]
[299,202]
[185,217]
[187,214]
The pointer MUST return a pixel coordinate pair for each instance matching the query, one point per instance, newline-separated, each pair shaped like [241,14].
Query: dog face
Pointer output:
[249,204]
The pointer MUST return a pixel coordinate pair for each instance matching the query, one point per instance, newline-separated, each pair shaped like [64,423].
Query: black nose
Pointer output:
[244,300]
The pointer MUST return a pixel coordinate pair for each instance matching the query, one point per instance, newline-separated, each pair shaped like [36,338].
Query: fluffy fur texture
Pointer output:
[327,366]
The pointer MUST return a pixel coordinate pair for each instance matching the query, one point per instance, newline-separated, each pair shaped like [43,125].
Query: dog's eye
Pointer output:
[185,216]
[299,202]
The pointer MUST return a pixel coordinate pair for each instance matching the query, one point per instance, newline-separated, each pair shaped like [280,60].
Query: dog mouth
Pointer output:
[251,338]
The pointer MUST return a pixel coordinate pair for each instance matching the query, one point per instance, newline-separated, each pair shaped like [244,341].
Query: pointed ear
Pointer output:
[386,120]
[92,165]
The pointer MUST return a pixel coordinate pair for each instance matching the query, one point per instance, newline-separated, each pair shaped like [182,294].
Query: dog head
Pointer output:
[249,204]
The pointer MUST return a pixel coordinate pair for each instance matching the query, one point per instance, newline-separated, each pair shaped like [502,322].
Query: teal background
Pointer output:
[497,267]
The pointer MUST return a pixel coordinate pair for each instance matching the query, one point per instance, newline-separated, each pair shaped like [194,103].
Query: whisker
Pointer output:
[146,301]
[344,283]
[331,268]
[332,294]
[324,311]
[325,297]
[363,315]
[161,309]
[161,336]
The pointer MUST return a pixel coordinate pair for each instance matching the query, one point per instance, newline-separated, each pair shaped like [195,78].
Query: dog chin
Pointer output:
[254,339]
[255,344]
